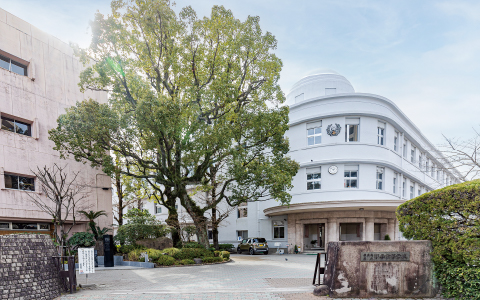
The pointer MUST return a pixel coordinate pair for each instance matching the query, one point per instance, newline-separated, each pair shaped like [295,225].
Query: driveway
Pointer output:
[247,277]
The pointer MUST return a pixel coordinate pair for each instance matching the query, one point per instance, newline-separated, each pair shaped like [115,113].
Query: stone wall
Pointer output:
[384,269]
[27,270]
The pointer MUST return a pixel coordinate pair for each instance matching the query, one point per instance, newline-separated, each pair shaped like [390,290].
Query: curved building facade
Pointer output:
[360,158]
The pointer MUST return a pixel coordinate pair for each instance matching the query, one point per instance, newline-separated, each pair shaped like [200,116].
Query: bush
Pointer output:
[135,255]
[191,253]
[217,253]
[81,239]
[225,255]
[192,245]
[187,262]
[165,260]
[449,218]
[170,251]
[130,233]
[153,254]
[128,248]
[209,260]
[225,247]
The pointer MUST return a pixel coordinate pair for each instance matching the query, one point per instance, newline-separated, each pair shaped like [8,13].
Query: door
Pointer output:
[321,235]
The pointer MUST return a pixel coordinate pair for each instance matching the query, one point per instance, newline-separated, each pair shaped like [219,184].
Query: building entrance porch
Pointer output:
[314,236]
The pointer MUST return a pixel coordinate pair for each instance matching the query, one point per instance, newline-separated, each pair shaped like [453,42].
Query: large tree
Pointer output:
[185,93]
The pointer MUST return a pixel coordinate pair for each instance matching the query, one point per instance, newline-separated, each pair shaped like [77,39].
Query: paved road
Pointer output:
[247,277]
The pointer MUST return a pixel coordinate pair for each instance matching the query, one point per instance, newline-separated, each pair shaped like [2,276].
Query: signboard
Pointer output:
[385,256]
[86,261]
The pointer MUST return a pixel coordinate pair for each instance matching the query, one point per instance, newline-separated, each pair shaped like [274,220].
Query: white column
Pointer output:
[331,230]
[369,229]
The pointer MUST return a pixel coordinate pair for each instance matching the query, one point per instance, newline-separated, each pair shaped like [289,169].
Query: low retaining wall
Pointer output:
[118,261]
[380,268]
[27,270]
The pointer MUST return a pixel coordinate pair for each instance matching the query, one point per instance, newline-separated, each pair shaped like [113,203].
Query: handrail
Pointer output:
[69,276]
[319,270]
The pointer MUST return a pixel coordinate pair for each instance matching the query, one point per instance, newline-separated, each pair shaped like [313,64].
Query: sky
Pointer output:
[423,55]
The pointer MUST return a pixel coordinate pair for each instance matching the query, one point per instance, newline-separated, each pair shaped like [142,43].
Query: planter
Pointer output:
[197,261]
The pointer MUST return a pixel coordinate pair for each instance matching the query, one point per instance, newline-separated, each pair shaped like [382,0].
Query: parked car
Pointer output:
[253,245]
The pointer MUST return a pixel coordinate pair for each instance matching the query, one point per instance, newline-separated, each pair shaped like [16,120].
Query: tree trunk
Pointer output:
[202,232]
[118,185]
[172,219]
[215,228]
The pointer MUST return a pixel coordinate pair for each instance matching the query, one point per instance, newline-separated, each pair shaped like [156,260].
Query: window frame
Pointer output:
[395,179]
[158,206]
[380,178]
[405,148]
[313,180]
[242,210]
[39,224]
[350,178]
[18,182]
[16,120]
[278,226]
[404,188]
[412,190]
[347,135]
[413,154]
[395,141]
[14,62]
[314,136]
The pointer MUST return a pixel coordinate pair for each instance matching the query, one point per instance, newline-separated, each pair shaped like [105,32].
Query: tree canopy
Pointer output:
[184,93]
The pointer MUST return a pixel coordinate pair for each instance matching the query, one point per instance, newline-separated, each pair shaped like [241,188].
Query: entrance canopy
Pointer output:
[374,205]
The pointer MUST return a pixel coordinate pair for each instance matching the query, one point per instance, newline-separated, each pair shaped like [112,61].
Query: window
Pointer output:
[210,234]
[24,226]
[395,179]
[278,230]
[299,98]
[351,177]
[380,172]
[158,209]
[314,133]
[405,148]
[395,141]
[427,165]
[420,160]
[351,130]
[413,153]
[314,178]
[242,210]
[412,187]
[13,66]
[242,234]
[381,133]
[419,191]
[330,91]
[433,171]
[351,231]
[19,182]
[16,126]
[404,188]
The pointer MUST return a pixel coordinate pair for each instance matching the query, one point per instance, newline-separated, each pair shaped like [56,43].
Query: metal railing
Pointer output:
[68,276]
[320,268]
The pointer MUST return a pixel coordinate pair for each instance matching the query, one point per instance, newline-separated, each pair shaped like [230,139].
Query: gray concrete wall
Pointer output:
[347,276]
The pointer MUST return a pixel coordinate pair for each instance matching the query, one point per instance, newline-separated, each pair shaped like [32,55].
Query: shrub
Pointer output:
[153,254]
[135,255]
[128,248]
[225,255]
[165,260]
[192,245]
[81,239]
[448,217]
[217,253]
[387,238]
[186,262]
[225,247]
[191,253]
[209,260]
[130,233]
[170,251]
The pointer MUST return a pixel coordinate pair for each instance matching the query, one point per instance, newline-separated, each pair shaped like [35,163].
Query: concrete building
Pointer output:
[360,158]
[39,78]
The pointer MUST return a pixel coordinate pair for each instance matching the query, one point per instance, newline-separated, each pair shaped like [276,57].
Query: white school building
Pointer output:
[360,158]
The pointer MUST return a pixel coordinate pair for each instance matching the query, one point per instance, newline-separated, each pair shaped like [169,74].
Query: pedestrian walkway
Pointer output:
[247,277]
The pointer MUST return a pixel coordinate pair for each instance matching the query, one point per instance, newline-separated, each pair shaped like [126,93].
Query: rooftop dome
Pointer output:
[321,83]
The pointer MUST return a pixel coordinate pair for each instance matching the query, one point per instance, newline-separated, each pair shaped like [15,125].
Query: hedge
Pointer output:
[450,218]
[171,251]
[209,260]
[191,253]
[165,260]
[225,255]
[187,262]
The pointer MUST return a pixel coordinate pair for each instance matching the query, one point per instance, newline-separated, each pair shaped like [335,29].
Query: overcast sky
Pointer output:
[423,55]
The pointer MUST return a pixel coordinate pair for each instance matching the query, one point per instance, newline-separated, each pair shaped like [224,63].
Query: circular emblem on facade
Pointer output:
[333,170]
[333,130]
